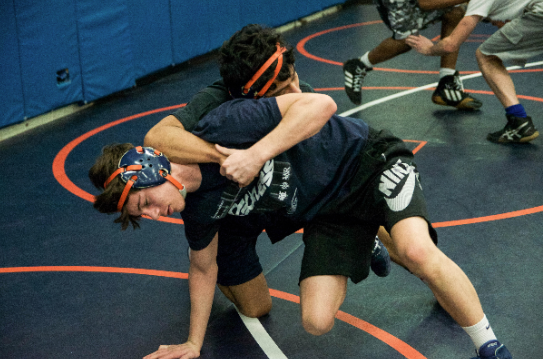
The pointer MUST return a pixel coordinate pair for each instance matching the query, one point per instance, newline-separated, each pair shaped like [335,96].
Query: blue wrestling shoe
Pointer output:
[380,259]
[493,350]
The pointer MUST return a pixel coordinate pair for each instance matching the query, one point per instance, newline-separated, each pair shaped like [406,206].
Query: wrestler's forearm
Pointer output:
[443,47]
[179,145]
[438,4]
[202,290]
[302,118]
[458,36]
[202,280]
[448,44]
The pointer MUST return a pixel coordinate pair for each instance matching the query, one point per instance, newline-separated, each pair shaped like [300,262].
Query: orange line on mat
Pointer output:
[397,344]
[400,346]
[495,217]
[152,272]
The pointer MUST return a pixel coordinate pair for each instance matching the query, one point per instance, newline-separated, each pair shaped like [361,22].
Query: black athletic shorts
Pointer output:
[237,259]
[384,190]
[405,17]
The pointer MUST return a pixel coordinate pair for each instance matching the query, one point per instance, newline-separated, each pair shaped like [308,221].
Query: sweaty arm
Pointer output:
[202,281]
[448,44]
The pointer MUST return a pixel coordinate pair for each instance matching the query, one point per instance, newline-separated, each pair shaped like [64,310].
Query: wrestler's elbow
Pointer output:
[331,106]
[151,138]
[324,110]
[155,136]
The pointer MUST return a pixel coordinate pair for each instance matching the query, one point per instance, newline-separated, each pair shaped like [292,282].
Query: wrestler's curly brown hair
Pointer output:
[247,50]
[106,202]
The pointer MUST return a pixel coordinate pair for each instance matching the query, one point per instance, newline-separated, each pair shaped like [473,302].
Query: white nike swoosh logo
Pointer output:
[402,199]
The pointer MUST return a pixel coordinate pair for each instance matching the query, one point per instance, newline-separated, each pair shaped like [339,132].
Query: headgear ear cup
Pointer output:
[247,91]
[143,167]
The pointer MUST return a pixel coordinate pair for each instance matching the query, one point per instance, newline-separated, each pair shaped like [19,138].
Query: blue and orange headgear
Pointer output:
[143,167]
[248,91]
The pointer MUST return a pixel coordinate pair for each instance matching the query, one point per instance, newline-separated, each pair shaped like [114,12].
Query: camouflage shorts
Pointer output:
[404,17]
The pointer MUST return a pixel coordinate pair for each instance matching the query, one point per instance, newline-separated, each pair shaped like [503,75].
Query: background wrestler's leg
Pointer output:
[387,49]
[252,298]
[498,78]
[448,24]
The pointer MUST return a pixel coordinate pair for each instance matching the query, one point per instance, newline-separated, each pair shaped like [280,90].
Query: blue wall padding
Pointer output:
[48,43]
[200,27]
[312,6]
[253,12]
[11,87]
[279,12]
[54,53]
[151,34]
[105,47]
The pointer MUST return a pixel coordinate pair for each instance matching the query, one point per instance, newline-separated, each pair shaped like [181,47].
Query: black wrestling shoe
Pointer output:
[450,92]
[517,130]
[354,72]
[380,259]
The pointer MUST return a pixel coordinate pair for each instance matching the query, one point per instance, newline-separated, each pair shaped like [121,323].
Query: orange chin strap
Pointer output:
[126,189]
[133,179]
[180,187]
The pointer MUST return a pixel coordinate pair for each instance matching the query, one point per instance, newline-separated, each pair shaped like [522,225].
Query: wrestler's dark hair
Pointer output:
[106,202]
[247,50]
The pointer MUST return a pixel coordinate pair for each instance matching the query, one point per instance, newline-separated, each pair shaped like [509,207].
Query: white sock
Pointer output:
[366,60]
[446,72]
[480,333]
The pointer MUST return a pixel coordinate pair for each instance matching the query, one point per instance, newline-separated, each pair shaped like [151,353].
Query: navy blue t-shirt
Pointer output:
[295,185]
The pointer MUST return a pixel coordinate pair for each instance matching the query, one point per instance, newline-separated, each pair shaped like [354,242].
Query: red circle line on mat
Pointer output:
[400,346]
[301,49]
[59,170]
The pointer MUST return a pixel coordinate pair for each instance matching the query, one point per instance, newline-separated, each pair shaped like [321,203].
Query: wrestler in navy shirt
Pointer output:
[295,185]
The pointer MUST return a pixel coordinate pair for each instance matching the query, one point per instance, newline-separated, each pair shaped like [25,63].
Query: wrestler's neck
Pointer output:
[189,175]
